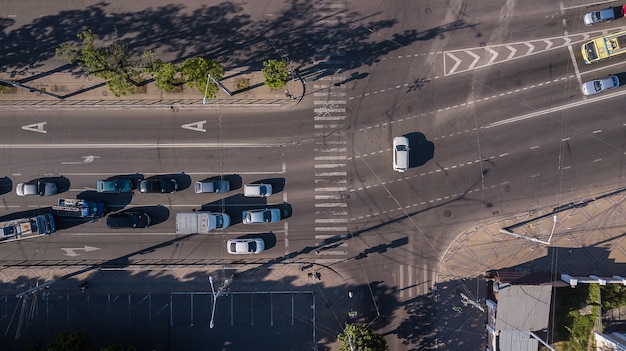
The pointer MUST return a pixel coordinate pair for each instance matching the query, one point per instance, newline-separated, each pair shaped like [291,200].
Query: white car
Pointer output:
[400,154]
[245,246]
[599,85]
[257,190]
[268,215]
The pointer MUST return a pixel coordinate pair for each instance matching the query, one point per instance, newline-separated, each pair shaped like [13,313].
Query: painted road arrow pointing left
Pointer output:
[195,126]
[36,127]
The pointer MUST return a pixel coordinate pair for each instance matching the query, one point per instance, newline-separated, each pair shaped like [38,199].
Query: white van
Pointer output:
[257,190]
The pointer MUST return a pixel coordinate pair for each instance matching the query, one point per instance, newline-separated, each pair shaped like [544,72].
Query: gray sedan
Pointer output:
[268,215]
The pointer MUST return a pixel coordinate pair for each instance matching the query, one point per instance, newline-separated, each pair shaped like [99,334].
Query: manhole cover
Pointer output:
[447,213]
[410,108]
[482,44]
[507,188]
[428,11]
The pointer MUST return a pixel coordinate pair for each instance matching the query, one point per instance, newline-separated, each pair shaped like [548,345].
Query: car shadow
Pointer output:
[26,214]
[269,238]
[157,213]
[236,204]
[183,180]
[421,149]
[112,202]
[63,183]
[134,178]
[6,185]
[278,184]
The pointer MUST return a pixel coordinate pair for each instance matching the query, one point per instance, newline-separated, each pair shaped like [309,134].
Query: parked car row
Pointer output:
[151,185]
[193,222]
[223,186]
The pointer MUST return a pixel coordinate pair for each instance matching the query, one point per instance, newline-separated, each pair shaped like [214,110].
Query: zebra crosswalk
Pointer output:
[330,154]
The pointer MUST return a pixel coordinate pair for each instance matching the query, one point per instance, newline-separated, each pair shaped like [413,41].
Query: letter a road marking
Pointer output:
[195,126]
[36,127]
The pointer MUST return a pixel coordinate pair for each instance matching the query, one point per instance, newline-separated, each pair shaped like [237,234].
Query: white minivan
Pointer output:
[257,190]
[400,154]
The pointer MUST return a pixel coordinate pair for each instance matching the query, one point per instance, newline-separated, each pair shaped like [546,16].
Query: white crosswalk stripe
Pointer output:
[414,281]
[330,153]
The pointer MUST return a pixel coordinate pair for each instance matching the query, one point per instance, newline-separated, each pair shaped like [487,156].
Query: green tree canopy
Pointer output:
[111,63]
[195,73]
[276,73]
[166,75]
[71,341]
[360,337]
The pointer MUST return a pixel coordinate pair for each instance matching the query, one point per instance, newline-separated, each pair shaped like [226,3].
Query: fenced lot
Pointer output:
[160,321]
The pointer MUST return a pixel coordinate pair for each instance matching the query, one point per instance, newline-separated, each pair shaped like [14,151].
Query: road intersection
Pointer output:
[499,132]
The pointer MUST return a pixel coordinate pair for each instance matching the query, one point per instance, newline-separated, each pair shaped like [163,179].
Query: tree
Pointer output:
[195,73]
[74,341]
[166,75]
[360,337]
[111,63]
[276,73]
[613,296]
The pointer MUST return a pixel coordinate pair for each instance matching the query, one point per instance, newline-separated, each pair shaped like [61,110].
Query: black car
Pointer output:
[128,220]
[158,185]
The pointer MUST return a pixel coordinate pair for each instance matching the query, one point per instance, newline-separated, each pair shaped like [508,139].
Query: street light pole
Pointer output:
[219,293]
[206,89]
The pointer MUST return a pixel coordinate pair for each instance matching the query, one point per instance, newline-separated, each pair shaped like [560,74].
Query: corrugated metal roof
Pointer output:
[522,308]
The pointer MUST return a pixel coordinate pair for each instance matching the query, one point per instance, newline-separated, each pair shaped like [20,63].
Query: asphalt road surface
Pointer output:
[488,94]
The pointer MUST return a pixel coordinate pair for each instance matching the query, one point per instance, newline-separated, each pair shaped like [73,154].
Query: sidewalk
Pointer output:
[592,232]
[587,239]
[64,89]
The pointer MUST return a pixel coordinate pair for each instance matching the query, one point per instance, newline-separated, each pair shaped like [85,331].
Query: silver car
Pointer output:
[37,187]
[245,246]
[599,16]
[268,215]
[599,85]
[212,186]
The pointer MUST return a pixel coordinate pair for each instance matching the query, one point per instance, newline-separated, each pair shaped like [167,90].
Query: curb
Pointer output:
[174,104]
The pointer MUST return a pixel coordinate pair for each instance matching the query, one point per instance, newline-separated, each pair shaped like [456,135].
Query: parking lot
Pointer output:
[242,319]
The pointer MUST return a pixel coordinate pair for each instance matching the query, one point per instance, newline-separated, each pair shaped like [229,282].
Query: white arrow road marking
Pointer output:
[549,42]
[86,159]
[513,51]
[494,55]
[71,251]
[457,63]
[36,127]
[530,48]
[476,58]
[195,126]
